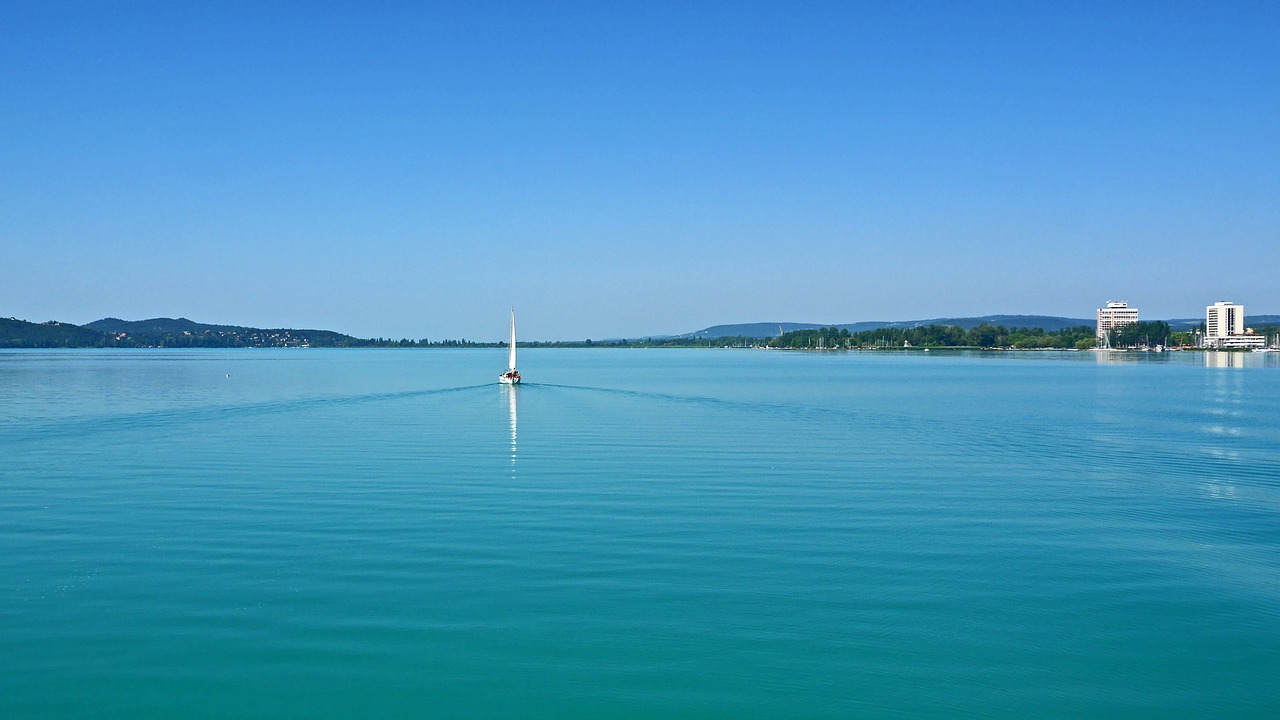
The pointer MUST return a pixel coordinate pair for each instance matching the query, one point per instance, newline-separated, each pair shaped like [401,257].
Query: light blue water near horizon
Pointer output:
[638,533]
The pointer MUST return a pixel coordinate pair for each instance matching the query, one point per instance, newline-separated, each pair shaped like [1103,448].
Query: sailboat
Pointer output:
[511,377]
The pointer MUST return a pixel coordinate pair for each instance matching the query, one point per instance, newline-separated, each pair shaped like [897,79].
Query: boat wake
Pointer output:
[76,426]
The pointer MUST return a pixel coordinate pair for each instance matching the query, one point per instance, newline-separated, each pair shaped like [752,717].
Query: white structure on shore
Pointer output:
[1114,315]
[1224,328]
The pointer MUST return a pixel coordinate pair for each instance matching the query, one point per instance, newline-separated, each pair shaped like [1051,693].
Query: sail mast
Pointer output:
[511,354]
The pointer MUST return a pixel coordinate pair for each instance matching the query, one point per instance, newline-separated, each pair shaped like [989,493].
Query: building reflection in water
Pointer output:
[1222,359]
[1225,412]
[1212,358]
[1115,357]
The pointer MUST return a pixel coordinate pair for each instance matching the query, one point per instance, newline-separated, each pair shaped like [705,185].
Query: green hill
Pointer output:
[158,326]
[15,333]
[166,332]
[181,332]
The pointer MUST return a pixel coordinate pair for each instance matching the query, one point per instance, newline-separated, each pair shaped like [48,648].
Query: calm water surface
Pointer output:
[638,533]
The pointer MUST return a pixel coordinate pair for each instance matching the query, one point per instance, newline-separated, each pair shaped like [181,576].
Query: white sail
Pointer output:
[511,376]
[511,353]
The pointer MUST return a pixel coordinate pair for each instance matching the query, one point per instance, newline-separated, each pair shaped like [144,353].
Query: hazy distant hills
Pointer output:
[1249,321]
[766,330]
[163,332]
[181,332]
[1044,322]
[158,326]
[751,330]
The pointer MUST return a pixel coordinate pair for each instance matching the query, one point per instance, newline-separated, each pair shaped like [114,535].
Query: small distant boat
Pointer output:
[511,376]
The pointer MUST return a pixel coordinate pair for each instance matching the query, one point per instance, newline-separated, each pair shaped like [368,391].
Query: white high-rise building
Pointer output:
[1224,328]
[1114,315]
[1223,319]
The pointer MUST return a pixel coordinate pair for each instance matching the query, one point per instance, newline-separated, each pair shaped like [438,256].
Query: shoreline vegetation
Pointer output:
[183,333]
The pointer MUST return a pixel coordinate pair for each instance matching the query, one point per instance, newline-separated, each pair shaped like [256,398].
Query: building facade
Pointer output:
[1224,328]
[1223,319]
[1114,315]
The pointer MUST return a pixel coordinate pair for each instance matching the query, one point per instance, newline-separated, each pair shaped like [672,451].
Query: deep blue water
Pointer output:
[639,533]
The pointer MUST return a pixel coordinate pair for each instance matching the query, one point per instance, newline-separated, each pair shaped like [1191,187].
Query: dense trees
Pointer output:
[984,336]
[1142,333]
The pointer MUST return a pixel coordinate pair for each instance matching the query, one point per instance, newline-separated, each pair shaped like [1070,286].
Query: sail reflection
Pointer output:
[512,392]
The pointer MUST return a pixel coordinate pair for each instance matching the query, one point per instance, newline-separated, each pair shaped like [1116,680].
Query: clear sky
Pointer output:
[620,169]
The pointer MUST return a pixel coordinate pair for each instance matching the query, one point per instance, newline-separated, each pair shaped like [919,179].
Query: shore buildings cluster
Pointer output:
[1223,327]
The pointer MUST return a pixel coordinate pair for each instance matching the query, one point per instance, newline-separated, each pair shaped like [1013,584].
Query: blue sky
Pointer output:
[413,169]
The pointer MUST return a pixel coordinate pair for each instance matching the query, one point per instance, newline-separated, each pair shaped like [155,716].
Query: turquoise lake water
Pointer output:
[638,533]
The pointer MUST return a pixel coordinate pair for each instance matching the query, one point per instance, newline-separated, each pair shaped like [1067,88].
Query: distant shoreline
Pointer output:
[609,346]
[162,333]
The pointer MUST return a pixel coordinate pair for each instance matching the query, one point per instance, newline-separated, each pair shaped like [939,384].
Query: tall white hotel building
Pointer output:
[1114,315]
[1224,328]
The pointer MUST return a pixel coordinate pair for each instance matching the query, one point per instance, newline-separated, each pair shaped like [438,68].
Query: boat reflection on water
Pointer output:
[513,393]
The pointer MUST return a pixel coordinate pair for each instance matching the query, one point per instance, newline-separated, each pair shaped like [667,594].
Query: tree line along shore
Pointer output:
[1083,337]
